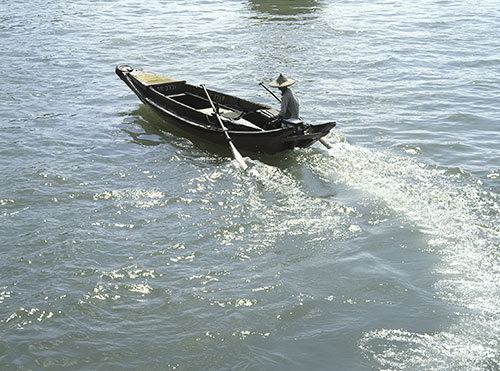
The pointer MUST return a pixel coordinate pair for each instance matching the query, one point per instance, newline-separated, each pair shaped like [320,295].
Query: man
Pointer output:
[289,102]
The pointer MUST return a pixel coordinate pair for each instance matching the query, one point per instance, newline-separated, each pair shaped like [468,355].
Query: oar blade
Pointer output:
[325,143]
[237,156]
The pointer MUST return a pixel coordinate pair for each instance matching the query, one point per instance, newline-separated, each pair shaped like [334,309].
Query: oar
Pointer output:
[237,156]
[274,95]
[321,140]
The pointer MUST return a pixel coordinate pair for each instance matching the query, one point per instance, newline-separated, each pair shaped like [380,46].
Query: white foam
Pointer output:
[461,220]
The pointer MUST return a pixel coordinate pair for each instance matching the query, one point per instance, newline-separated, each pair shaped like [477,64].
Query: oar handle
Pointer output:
[215,111]
[274,95]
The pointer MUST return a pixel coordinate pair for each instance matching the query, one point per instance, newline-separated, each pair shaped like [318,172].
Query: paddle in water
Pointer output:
[237,156]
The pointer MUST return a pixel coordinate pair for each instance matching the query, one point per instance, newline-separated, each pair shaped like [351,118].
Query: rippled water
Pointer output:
[127,247]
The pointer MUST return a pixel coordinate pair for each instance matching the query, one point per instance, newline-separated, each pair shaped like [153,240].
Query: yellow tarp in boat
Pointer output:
[151,78]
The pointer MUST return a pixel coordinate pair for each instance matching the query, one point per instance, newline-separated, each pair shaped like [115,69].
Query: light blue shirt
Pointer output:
[289,105]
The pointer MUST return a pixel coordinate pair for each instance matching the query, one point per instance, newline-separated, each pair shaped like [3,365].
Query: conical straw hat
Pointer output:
[281,82]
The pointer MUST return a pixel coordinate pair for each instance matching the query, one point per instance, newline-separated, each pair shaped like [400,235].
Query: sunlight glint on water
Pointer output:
[455,213]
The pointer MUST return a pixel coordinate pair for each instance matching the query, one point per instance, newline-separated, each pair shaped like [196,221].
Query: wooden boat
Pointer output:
[247,122]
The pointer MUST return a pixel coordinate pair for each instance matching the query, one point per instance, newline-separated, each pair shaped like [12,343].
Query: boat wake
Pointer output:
[461,221]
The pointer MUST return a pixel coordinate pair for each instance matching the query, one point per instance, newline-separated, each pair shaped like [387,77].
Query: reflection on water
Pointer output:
[150,129]
[285,7]
[143,131]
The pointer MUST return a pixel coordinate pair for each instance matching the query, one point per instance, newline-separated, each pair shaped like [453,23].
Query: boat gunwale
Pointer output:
[214,128]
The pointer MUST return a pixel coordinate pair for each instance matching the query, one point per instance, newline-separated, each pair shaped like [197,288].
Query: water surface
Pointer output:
[127,247]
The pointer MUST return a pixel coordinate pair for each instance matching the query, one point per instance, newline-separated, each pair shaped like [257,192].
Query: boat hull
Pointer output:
[162,95]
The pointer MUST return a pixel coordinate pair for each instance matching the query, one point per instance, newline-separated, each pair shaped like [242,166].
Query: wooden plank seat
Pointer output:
[224,112]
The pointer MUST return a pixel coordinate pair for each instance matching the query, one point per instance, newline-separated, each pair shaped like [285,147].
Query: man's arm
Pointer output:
[285,100]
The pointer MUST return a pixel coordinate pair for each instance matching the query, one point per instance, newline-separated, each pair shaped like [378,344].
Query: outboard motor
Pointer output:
[296,124]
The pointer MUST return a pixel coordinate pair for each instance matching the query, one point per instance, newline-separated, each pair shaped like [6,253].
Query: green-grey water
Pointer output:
[127,247]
